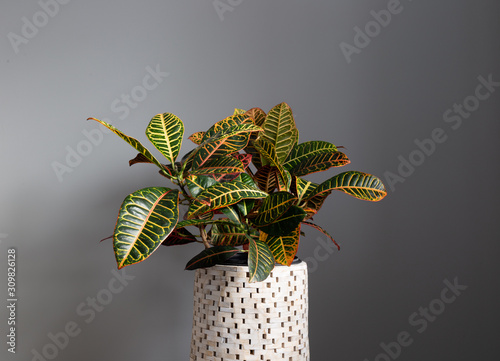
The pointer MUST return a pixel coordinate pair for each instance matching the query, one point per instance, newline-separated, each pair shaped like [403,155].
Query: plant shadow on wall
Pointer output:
[243,187]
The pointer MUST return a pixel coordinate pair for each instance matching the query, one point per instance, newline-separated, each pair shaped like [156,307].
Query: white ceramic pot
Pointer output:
[237,320]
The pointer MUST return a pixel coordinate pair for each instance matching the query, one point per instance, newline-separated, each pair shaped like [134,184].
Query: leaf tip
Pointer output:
[102,240]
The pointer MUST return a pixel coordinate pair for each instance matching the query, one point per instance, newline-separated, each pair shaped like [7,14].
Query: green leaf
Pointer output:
[227,235]
[286,223]
[283,248]
[247,179]
[315,226]
[258,116]
[232,140]
[357,184]
[221,165]
[222,195]
[179,236]
[280,130]
[245,206]
[295,136]
[211,256]
[145,220]
[232,213]
[273,207]
[197,137]
[197,184]
[165,131]
[260,260]
[133,142]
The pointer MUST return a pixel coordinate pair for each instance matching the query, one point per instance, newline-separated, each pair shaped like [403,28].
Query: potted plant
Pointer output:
[243,189]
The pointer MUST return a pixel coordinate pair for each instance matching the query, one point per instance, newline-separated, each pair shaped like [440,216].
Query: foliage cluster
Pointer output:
[243,187]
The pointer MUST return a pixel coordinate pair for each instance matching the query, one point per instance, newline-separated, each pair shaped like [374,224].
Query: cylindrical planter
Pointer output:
[234,319]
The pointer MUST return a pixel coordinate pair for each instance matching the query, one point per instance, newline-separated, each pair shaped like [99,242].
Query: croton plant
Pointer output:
[241,188]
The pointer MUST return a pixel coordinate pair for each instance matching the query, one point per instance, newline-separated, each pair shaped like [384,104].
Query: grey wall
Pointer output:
[438,223]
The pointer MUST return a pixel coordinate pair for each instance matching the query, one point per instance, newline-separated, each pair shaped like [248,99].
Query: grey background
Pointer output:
[440,223]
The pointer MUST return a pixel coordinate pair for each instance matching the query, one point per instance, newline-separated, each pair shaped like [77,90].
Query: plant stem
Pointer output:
[184,190]
[178,182]
[203,234]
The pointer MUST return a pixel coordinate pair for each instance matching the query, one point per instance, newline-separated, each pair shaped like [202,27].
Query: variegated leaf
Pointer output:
[197,137]
[302,188]
[232,140]
[204,222]
[284,184]
[286,223]
[211,256]
[273,207]
[256,158]
[179,236]
[132,141]
[260,260]
[280,130]
[315,226]
[266,178]
[244,159]
[267,151]
[225,125]
[312,154]
[145,220]
[245,206]
[307,149]
[226,235]
[318,163]
[222,195]
[222,165]
[357,184]
[238,111]
[197,184]
[247,179]
[314,204]
[165,131]
[258,116]
[283,248]
[167,171]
